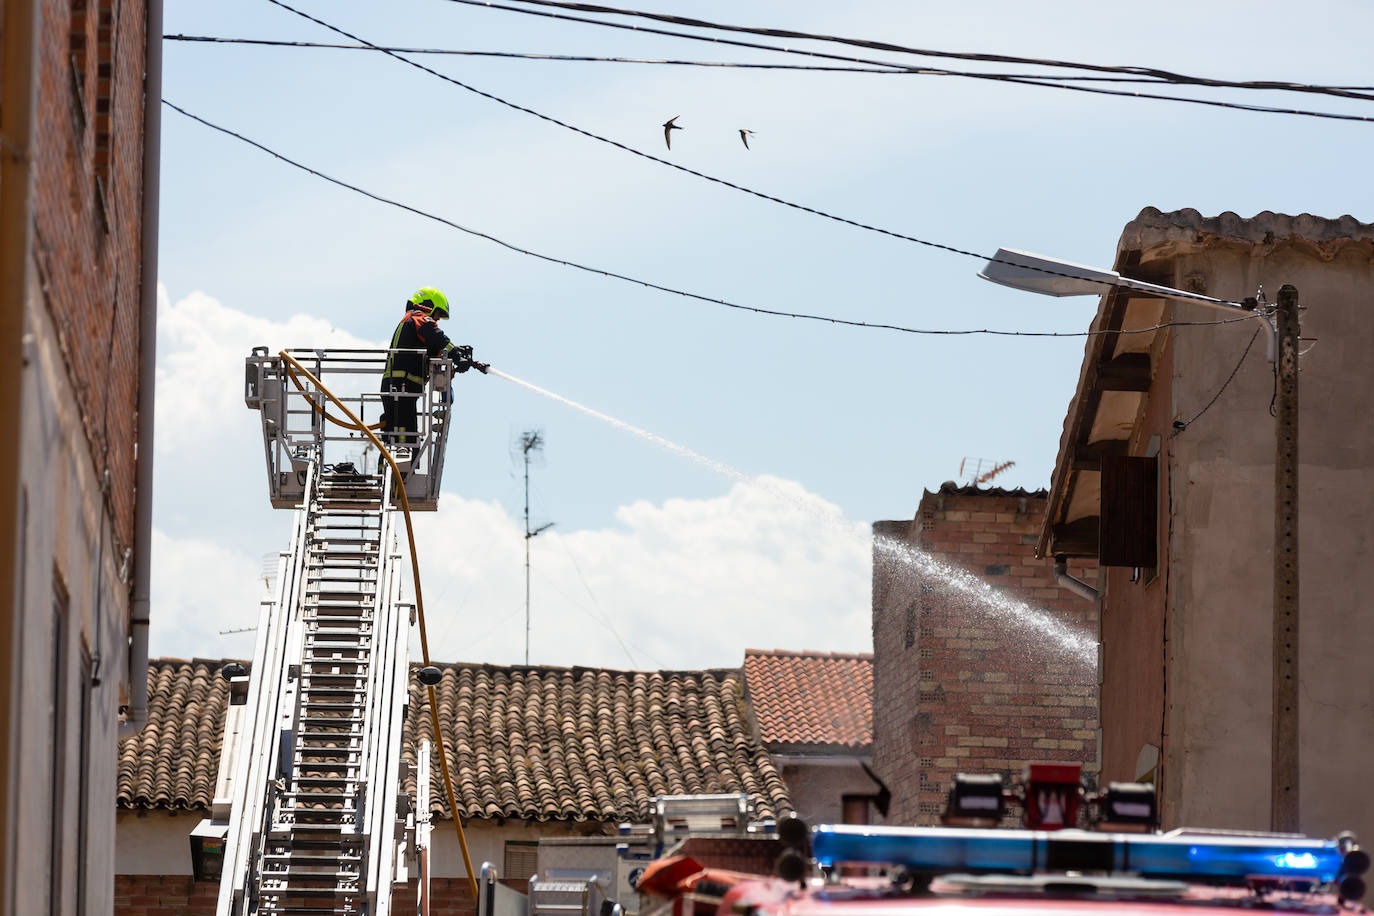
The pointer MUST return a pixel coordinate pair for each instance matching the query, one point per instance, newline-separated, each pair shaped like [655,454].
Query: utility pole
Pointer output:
[530,441]
[1284,754]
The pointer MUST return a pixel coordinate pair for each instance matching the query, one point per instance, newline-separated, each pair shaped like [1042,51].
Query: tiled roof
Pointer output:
[572,743]
[532,743]
[173,761]
[950,488]
[813,701]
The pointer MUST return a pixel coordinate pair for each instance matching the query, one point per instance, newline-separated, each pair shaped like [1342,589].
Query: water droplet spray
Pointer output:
[1053,635]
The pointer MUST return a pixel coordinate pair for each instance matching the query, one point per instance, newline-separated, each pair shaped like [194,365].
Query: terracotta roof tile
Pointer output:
[173,761]
[526,743]
[587,743]
[950,488]
[813,701]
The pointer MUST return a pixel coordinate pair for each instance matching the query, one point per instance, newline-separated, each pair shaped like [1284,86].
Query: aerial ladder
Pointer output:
[309,804]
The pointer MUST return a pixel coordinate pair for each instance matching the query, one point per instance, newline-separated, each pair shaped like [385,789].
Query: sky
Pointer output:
[655,560]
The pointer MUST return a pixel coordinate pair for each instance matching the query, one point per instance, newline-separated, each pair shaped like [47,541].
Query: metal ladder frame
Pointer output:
[261,857]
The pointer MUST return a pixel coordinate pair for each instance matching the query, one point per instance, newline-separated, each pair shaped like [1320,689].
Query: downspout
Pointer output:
[1077,586]
[19,29]
[147,373]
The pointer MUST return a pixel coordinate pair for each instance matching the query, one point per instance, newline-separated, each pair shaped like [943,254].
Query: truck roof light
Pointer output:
[1196,857]
[975,800]
[1128,807]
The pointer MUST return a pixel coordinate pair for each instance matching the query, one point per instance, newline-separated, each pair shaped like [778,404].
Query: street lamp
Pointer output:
[1052,277]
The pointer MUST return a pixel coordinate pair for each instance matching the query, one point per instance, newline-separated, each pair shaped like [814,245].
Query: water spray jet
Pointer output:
[1059,637]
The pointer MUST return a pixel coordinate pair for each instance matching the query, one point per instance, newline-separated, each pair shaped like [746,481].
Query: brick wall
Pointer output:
[164,895]
[961,684]
[180,895]
[448,897]
[87,224]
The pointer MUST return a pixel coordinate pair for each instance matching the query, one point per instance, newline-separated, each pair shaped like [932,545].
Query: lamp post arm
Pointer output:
[1168,292]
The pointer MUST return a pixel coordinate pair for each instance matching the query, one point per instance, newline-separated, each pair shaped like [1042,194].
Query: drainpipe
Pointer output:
[1077,586]
[147,370]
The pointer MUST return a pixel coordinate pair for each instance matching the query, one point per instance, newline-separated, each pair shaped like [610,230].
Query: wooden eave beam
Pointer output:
[1127,372]
[1103,349]
[1075,539]
[1089,457]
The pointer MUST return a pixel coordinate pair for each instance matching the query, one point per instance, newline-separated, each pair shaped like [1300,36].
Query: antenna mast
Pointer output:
[531,440]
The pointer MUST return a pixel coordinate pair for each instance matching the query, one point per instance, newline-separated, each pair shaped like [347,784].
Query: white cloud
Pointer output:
[202,344]
[688,583]
[684,584]
[200,588]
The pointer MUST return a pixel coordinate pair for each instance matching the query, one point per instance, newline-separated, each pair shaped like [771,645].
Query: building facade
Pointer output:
[1166,472]
[77,302]
[983,661]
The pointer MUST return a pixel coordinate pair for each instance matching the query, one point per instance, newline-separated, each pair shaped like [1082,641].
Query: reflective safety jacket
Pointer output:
[417,331]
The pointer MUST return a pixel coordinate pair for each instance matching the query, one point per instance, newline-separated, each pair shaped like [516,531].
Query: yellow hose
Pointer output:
[419,602]
[357,427]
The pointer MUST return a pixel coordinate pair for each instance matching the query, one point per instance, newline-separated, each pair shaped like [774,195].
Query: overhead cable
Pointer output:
[1181,425]
[214,39]
[682,168]
[890,69]
[1154,72]
[1049,80]
[690,295]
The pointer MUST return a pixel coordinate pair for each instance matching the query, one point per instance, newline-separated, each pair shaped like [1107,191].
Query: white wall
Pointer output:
[818,787]
[486,843]
[64,535]
[1219,690]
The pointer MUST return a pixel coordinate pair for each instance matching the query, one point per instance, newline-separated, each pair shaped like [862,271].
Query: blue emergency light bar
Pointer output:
[1205,859]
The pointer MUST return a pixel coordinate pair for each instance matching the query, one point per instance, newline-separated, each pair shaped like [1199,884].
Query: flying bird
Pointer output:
[668,128]
[744,137]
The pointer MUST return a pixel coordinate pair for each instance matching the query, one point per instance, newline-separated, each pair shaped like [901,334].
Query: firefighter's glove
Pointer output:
[462,358]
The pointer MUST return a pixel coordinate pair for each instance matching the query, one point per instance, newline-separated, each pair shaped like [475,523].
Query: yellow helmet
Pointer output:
[430,299]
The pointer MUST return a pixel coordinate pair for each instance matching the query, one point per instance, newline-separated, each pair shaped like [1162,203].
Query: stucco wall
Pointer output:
[818,788]
[1219,676]
[68,660]
[76,469]
[1133,612]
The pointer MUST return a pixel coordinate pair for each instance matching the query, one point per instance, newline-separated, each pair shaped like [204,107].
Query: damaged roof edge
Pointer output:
[1166,234]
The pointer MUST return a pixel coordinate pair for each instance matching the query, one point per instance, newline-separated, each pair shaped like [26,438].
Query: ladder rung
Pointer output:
[298,891]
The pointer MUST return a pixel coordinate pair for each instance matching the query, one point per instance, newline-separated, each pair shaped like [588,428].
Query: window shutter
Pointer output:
[1128,527]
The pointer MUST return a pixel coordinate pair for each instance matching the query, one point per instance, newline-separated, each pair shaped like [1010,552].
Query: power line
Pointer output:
[1168,76]
[1047,81]
[711,178]
[887,69]
[521,55]
[1181,425]
[702,298]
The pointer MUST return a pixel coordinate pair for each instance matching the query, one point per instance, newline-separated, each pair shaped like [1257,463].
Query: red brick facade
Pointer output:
[962,686]
[88,191]
[182,895]
[164,895]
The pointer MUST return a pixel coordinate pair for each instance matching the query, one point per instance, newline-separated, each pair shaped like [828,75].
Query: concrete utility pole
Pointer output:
[1285,751]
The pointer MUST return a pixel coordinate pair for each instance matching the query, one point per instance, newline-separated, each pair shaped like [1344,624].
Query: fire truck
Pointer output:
[1076,852]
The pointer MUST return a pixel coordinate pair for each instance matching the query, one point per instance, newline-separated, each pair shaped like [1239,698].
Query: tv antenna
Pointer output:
[531,440]
[977,475]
